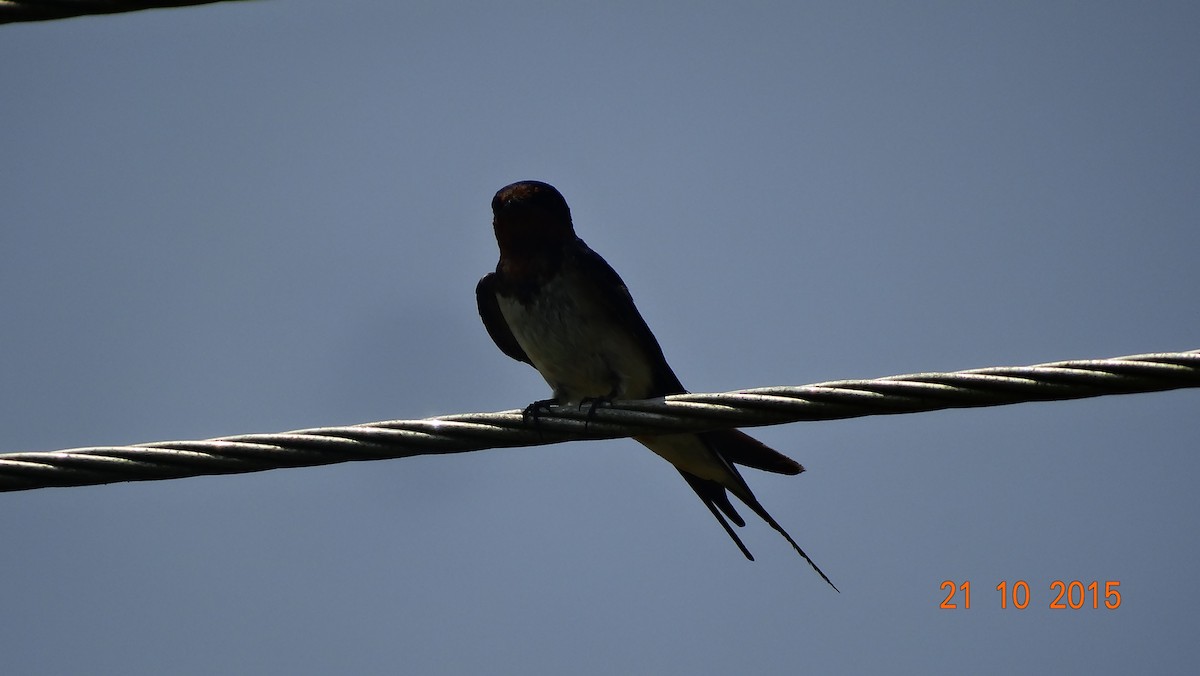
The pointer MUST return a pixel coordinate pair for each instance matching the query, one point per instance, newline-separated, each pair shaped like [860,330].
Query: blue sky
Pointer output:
[266,216]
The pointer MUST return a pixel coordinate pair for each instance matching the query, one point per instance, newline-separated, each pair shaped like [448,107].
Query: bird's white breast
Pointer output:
[576,344]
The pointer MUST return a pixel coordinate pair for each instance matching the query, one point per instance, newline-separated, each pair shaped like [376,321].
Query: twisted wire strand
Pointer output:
[44,10]
[835,400]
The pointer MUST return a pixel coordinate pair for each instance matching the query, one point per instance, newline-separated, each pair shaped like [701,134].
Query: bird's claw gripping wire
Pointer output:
[593,403]
[533,413]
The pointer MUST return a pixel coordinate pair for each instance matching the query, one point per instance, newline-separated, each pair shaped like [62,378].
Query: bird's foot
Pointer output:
[533,412]
[593,403]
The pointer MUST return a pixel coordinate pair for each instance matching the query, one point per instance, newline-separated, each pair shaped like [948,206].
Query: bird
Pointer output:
[555,304]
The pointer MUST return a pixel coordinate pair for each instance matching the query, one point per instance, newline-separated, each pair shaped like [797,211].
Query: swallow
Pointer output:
[556,305]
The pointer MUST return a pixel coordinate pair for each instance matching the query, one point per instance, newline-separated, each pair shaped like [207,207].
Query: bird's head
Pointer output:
[531,218]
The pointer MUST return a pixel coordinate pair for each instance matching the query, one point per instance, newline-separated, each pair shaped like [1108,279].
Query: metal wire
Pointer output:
[994,386]
[43,10]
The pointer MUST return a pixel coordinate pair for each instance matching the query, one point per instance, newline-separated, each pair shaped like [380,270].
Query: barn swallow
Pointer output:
[556,305]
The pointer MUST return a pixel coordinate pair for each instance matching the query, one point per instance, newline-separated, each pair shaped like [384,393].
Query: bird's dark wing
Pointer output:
[741,448]
[620,305]
[493,319]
